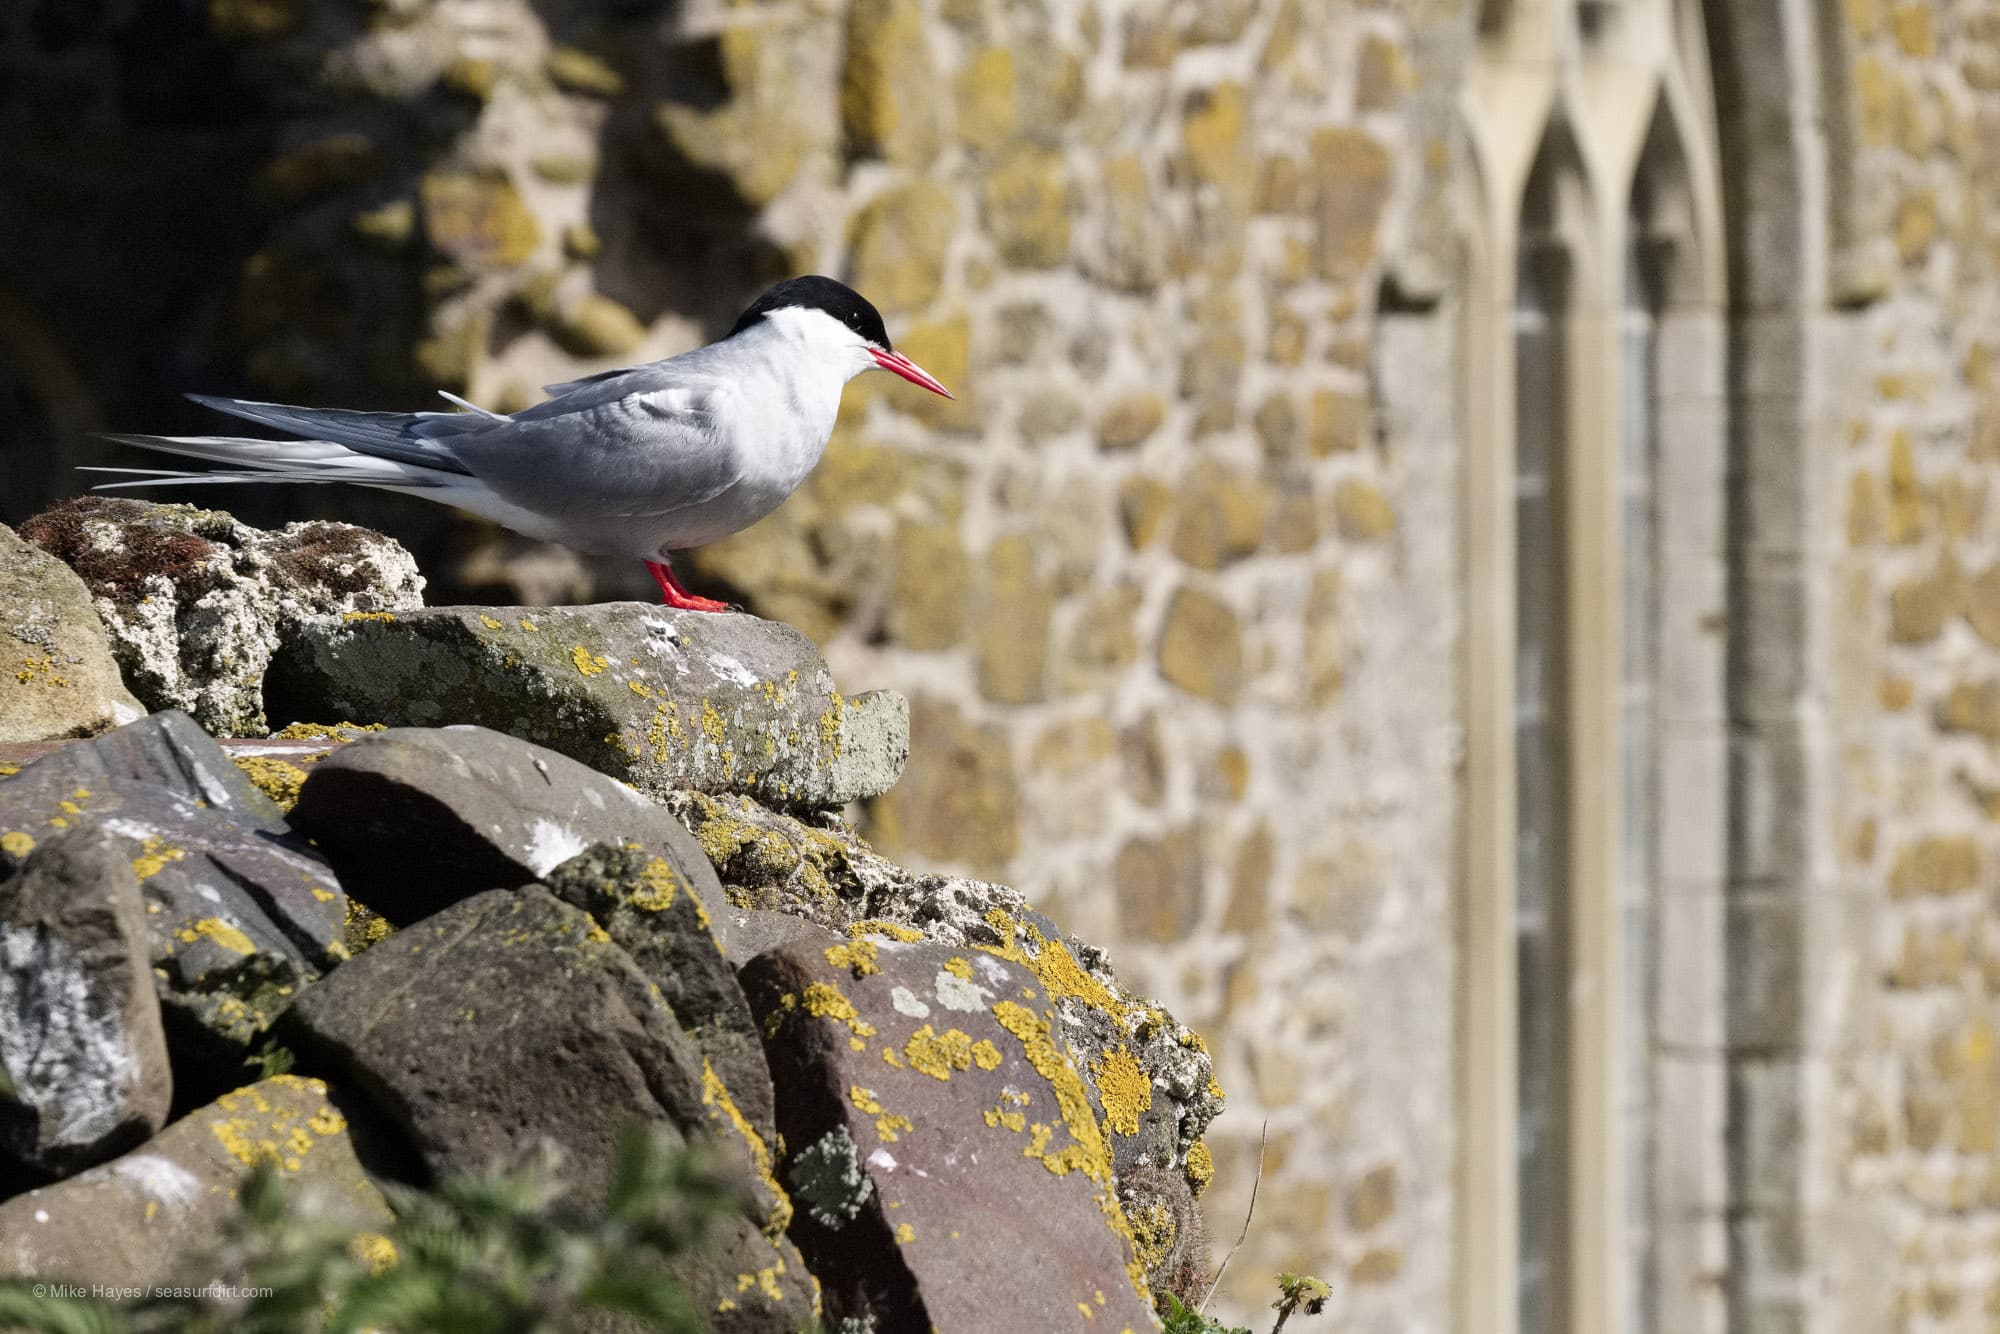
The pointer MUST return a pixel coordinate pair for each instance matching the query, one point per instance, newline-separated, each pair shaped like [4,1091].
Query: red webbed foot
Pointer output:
[673,595]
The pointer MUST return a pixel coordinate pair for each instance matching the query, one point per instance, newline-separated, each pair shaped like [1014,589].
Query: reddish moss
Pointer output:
[149,547]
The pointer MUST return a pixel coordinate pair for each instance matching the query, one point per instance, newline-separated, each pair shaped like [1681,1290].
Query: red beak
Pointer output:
[909,370]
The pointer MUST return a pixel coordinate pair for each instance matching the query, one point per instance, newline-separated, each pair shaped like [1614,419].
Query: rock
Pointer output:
[512,1020]
[653,911]
[888,93]
[83,1060]
[240,913]
[663,699]
[151,1216]
[57,675]
[1027,208]
[194,600]
[478,219]
[1201,646]
[939,1133]
[1153,1074]
[899,244]
[426,817]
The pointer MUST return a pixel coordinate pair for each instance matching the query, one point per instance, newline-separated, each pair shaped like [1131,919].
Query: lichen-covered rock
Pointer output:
[1152,1073]
[653,910]
[939,1134]
[194,600]
[153,1215]
[661,698]
[240,913]
[83,1060]
[421,818]
[57,675]
[511,1020]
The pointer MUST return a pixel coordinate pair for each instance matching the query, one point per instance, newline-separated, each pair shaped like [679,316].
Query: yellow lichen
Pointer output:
[985,1055]
[857,957]
[876,926]
[658,883]
[373,1252]
[1200,1167]
[957,967]
[1086,1152]
[368,616]
[529,626]
[489,622]
[279,780]
[325,731]
[938,1054]
[1049,960]
[905,1234]
[715,1094]
[587,663]
[16,844]
[1124,1089]
[222,933]
[888,1125]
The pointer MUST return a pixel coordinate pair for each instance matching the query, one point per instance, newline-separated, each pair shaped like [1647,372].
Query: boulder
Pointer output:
[57,675]
[1153,1074]
[239,912]
[511,1021]
[152,1216]
[651,909]
[83,1059]
[194,601]
[941,1136]
[420,818]
[663,699]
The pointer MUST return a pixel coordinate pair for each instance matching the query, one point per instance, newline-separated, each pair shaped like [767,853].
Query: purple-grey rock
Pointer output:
[938,1134]
[416,819]
[153,1216]
[651,909]
[511,1021]
[661,698]
[83,1058]
[240,914]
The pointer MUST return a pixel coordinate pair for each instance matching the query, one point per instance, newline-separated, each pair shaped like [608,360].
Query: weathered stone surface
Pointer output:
[899,245]
[1201,646]
[194,601]
[768,861]
[657,909]
[661,698]
[510,1020]
[425,817]
[478,218]
[153,1215]
[888,94]
[57,675]
[1131,420]
[240,913]
[941,1132]
[1013,625]
[1027,208]
[961,800]
[83,1059]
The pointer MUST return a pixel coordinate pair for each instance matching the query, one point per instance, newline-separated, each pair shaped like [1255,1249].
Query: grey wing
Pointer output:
[656,445]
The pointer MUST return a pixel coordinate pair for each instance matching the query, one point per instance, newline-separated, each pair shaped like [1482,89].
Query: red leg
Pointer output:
[673,595]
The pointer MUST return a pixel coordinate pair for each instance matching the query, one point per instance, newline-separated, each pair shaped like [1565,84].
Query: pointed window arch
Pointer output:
[1594,380]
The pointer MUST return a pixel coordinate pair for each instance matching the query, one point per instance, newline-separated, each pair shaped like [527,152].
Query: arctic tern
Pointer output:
[638,462]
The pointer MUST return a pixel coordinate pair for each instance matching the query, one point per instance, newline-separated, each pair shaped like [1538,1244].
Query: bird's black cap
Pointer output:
[813,292]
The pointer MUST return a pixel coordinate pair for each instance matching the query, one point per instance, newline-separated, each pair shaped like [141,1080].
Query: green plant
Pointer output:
[500,1255]
[1178,1319]
[1299,1294]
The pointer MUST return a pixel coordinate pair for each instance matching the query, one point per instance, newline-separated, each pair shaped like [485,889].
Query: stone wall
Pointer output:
[1910,439]
[1148,580]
